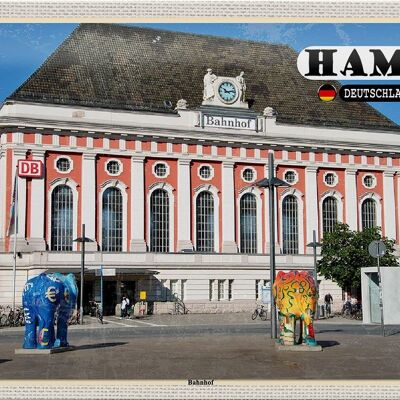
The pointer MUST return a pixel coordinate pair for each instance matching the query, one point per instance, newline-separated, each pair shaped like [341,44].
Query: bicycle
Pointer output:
[95,311]
[261,312]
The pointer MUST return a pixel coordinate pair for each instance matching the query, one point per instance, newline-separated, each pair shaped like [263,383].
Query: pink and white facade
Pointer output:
[178,155]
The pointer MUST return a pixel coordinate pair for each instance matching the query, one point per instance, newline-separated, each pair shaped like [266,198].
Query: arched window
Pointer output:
[205,222]
[61,218]
[290,227]
[368,214]
[329,214]
[112,220]
[159,221]
[248,224]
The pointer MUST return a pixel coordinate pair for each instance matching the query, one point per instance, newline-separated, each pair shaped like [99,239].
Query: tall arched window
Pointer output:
[290,227]
[205,222]
[248,224]
[159,221]
[329,214]
[112,220]
[368,213]
[61,218]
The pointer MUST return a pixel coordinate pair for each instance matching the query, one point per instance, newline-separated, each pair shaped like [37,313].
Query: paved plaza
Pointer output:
[224,346]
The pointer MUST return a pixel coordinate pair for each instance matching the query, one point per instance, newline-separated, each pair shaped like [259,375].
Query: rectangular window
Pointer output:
[210,290]
[230,289]
[221,287]
[259,284]
[183,289]
[174,288]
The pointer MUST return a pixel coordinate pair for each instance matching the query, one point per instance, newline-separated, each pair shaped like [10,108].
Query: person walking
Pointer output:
[328,301]
[123,307]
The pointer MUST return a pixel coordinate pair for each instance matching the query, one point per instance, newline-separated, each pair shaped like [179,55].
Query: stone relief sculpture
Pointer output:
[209,78]
[181,104]
[269,112]
[242,85]
[43,296]
[295,296]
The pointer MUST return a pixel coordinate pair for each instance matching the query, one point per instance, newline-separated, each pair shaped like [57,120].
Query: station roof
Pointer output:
[134,68]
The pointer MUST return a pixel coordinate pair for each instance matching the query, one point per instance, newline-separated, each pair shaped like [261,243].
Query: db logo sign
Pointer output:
[30,169]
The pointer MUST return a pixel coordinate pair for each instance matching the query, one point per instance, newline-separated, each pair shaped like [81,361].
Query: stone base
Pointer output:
[138,246]
[229,247]
[298,347]
[43,351]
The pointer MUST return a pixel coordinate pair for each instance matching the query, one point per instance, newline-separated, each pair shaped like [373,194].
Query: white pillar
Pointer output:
[138,243]
[3,191]
[389,204]
[228,209]
[311,201]
[20,154]
[351,199]
[88,208]
[36,240]
[184,203]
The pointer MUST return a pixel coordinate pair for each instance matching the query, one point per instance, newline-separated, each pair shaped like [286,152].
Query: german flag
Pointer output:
[327,92]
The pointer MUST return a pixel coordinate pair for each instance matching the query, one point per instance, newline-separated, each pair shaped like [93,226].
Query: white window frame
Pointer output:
[212,172]
[257,192]
[339,202]
[254,174]
[214,192]
[167,169]
[71,164]
[375,181]
[121,167]
[300,215]
[336,178]
[171,202]
[75,197]
[123,188]
[296,176]
[378,204]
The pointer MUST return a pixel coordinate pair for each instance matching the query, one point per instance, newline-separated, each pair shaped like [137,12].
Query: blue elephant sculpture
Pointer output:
[43,297]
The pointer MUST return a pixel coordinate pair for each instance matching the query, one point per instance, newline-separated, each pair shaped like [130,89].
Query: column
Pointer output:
[228,209]
[38,193]
[389,205]
[138,243]
[88,210]
[184,205]
[351,199]
[311,201]
[3,187]
[20,154]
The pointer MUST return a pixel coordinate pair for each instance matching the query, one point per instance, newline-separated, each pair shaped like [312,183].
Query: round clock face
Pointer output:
[227,91]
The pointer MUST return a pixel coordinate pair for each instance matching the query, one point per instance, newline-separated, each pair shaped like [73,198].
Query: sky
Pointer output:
[24,47]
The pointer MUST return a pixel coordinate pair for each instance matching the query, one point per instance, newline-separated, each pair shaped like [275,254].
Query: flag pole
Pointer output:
[15,236]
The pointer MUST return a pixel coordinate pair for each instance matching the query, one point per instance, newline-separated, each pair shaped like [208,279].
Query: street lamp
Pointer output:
[314,244]
[83,239]
[271,183]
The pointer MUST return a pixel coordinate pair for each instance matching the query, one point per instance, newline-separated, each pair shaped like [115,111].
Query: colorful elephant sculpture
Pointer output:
[296,298]
[46,297]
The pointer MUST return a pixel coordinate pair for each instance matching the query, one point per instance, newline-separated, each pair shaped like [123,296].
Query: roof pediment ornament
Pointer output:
[269,112]
[224,91]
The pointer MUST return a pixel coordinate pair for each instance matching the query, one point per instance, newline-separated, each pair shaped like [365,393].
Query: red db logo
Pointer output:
[30,169]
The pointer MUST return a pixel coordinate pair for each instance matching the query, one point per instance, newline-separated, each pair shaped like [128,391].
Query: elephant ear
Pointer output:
[71,282]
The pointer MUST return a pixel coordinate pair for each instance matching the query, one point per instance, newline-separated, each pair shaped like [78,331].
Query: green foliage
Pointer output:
[344,252]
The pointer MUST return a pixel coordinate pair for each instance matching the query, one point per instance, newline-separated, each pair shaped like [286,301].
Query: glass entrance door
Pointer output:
[374,298]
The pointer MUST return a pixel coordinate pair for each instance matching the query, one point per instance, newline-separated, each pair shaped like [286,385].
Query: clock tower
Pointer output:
[223,91]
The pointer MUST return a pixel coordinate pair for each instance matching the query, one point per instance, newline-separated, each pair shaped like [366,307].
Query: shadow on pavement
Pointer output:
[98,345]
[4,361]
[328,343]
[328,330]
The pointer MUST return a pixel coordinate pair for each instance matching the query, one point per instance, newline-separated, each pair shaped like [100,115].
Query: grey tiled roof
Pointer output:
[134,68]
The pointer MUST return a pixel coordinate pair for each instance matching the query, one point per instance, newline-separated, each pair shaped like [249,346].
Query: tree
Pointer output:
[344,252]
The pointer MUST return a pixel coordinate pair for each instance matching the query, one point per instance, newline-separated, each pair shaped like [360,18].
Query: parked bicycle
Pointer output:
[350,310]
[75,318]
[95,311]
[10,318]
[261,312]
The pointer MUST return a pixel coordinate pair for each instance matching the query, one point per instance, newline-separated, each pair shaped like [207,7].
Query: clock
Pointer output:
[227,92]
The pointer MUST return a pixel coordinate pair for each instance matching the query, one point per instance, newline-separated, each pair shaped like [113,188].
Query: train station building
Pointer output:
[155,139]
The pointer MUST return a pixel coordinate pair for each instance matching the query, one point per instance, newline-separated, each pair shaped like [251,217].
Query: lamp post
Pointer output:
[83,239]
[314,244]
[271,183]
